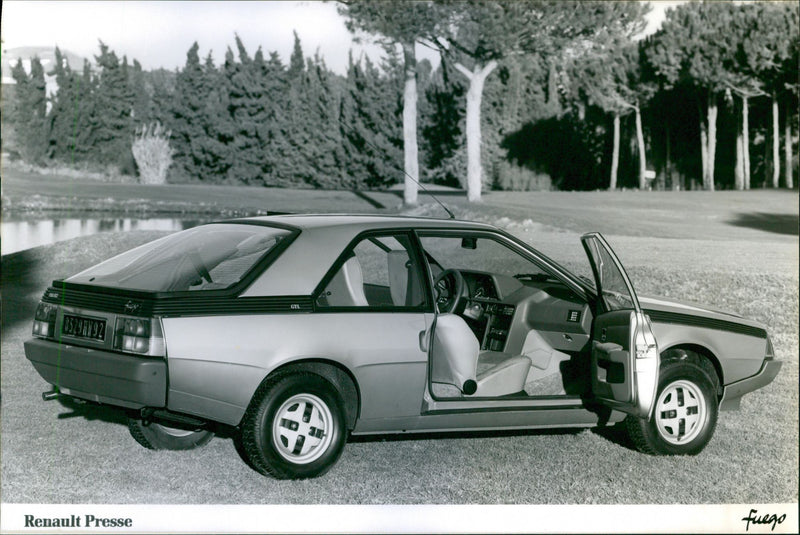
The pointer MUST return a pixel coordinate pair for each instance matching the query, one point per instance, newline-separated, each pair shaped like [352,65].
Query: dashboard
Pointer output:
[501,310]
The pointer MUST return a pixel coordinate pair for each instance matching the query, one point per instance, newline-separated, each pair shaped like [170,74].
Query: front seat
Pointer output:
[404,285]
[346,288]
[456,356]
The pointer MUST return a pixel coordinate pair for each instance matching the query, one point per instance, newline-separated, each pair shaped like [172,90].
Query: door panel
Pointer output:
[611,344]
[625,356]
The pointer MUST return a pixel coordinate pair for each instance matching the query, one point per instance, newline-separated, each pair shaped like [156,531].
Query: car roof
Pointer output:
[361,222]
[322,238]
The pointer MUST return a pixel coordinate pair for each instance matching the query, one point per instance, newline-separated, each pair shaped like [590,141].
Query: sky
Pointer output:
[159,33]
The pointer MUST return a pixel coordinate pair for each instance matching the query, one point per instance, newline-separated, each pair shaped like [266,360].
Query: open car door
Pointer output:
[625,357]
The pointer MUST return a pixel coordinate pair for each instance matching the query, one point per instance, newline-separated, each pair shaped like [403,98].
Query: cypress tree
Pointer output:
[186,118]
[370,122]
[313,127]
[248,110]
[30,111]
[113,112]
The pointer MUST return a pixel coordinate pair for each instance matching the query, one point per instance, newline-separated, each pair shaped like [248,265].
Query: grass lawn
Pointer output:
[60,453]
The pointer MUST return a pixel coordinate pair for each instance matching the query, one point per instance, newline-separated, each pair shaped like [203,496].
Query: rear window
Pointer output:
[209,257]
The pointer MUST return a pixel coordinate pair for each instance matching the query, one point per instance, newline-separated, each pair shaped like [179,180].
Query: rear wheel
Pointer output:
[685,413]
[294,427]
[156,436]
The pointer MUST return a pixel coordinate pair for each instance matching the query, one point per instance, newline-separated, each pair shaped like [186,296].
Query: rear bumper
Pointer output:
[732,397]
[122,380]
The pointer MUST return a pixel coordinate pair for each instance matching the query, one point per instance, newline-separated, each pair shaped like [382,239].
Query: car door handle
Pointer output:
[423,341]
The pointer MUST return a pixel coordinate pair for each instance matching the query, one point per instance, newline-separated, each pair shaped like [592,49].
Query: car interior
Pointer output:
[497,334]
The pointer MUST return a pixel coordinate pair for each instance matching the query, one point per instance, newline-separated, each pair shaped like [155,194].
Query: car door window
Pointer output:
[377,272]
[477,254]
[615,292]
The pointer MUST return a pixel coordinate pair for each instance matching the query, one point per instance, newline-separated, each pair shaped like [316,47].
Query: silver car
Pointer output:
[298,331]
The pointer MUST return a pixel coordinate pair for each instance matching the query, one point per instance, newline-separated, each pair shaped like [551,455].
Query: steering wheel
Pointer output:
[449,288]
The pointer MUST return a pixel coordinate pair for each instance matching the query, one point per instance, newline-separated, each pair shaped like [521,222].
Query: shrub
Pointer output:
[152,153]
[511,176]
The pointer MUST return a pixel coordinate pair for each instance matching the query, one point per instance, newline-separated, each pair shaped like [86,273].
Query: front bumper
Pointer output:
[732,397]
[101,376]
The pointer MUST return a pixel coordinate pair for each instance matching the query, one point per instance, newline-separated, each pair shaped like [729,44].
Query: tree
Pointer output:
[113,117]
[404,24]
[770,36]
[64,110]
[192,114]
[311,126]
[689,50]
[30,110]
[442,117]
[370,109]
[606,72]
[476,35]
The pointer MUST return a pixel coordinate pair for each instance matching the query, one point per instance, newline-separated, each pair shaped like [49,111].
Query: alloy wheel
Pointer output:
[680,412]
[301,429]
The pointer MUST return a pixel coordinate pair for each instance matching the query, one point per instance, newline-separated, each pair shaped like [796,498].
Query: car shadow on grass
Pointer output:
[775,223]
[91,411]
[615,434]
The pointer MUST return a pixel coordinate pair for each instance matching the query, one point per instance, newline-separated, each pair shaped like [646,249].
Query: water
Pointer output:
[21,235]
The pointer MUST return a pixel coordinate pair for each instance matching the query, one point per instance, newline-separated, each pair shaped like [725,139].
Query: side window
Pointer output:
[378,272]
[477,254]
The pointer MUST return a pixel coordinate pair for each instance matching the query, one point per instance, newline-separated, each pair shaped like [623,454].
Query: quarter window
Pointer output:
[377,272]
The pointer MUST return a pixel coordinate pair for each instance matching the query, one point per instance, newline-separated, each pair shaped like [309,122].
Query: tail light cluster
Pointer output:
[142,336]
[44,321]
[139,336]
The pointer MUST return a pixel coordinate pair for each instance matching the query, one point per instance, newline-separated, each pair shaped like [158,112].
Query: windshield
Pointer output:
[208,257]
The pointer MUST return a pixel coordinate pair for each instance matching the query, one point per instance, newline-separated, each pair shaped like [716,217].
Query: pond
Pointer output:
[26,233]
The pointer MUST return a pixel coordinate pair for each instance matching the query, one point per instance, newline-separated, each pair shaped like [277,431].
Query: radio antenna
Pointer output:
[417,182]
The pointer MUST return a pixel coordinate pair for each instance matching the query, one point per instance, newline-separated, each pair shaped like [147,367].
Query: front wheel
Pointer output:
[685,414]
[294,427]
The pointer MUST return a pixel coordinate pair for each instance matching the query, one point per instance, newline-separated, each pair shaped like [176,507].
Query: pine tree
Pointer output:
[442,127]
[187,117]
[114,111]
[370,120]
[30,111]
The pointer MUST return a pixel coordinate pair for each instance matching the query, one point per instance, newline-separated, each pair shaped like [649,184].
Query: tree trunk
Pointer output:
[746,141]
[477,78]
[738,171]
[703,148]
[708,180]
[553,103]
[411,159]
[787,146]
[642,155]
[668,164]
[612,184]
[776,144]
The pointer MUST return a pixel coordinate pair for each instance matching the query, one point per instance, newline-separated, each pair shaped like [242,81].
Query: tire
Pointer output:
[156,436]
[294,427]
[685,413]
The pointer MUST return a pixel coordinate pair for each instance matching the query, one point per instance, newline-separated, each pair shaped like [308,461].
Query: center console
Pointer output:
[498,323]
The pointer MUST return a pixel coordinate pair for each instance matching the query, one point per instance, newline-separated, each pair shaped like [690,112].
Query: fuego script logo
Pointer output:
[131,307]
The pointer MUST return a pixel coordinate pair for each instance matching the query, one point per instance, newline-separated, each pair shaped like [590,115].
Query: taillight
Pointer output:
[142,336]
[44,321]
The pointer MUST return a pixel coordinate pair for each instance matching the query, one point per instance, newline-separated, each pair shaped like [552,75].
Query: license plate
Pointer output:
[80,327]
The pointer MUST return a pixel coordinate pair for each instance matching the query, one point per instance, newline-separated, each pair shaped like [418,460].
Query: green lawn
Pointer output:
[56,453]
